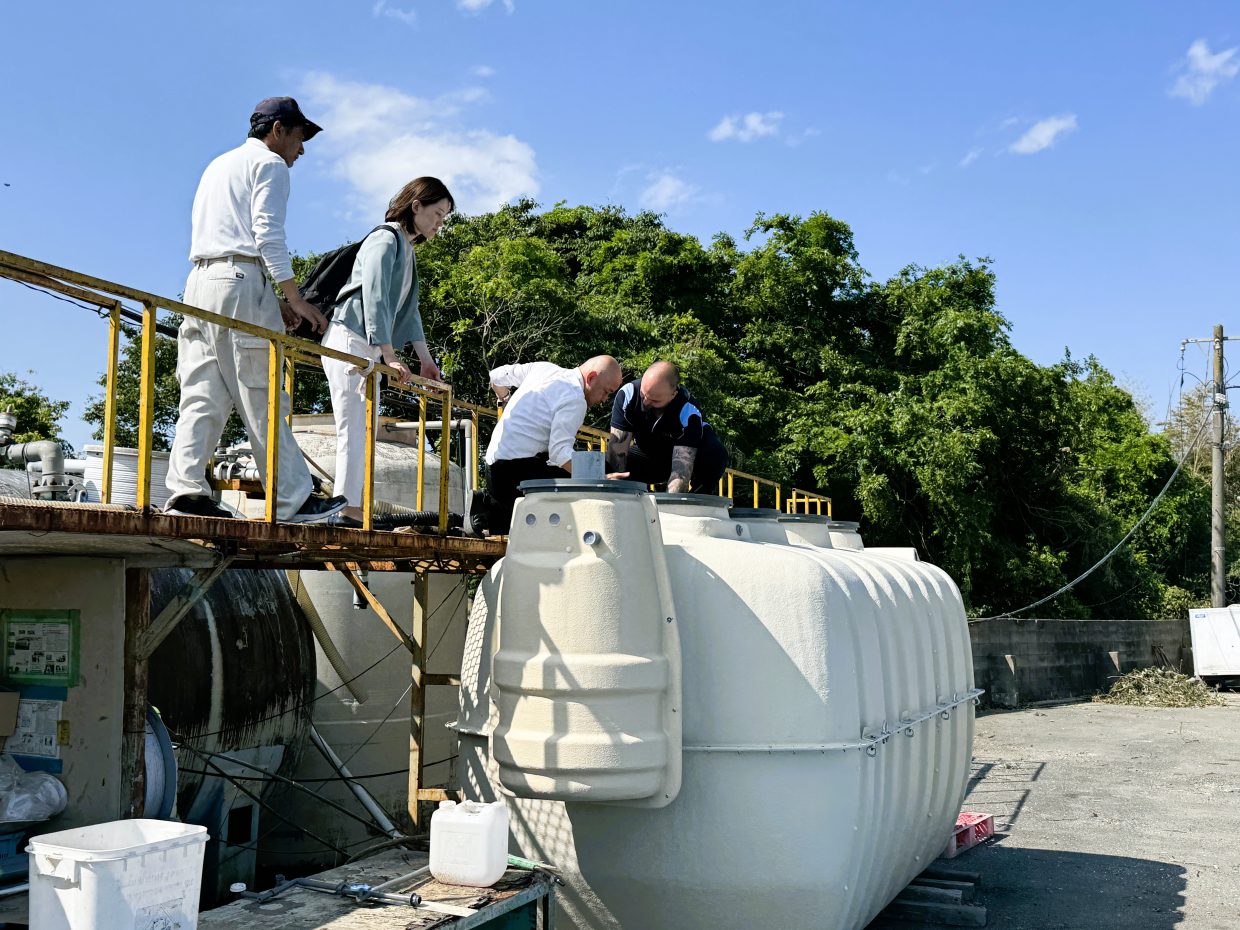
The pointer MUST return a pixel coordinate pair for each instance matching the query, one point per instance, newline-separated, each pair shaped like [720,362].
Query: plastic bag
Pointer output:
[28,795]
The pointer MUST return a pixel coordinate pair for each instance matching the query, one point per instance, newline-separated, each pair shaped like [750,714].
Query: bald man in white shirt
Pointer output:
[546,406]
[237,246]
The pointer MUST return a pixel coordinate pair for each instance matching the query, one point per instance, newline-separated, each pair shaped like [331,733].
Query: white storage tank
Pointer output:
[827,722]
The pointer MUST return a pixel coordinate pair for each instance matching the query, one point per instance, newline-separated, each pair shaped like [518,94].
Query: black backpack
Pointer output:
[326,280]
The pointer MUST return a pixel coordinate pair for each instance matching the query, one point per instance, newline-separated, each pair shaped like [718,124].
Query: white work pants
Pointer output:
[220,369]
[348,393]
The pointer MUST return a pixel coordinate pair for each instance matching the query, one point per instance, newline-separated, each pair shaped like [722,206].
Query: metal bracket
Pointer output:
[172,614]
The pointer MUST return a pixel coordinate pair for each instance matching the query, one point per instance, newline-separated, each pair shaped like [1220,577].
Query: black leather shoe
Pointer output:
[318,509]
[197,505]
[477,520]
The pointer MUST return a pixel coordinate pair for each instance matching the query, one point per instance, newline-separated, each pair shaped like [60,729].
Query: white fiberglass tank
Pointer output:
[588,695]
[827,724]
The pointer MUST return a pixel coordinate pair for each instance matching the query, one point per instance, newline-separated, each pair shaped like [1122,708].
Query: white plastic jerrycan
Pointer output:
[469,843]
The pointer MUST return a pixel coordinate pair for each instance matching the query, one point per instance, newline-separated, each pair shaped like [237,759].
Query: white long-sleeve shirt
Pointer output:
[544,414]
[240,206]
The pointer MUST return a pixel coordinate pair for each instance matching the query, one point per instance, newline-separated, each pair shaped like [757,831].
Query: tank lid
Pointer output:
[755,513]
[692,500]
[578,486]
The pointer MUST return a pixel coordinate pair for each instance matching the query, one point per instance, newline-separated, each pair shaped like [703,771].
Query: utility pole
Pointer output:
[1218,559]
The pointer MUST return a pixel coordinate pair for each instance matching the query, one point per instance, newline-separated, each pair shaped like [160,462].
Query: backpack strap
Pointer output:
[348,291]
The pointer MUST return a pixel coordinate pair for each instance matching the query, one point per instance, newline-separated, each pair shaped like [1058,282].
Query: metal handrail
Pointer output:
[283,351]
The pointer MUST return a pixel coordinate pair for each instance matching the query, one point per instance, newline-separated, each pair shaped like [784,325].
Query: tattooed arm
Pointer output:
[618,449]
[683,458]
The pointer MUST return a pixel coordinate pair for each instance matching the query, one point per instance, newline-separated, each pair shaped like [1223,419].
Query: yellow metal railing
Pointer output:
[284,351]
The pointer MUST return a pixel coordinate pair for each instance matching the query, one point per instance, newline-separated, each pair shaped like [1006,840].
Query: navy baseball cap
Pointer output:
[286,110]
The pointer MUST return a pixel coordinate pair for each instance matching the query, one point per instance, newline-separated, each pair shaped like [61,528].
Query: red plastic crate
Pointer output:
[970,830]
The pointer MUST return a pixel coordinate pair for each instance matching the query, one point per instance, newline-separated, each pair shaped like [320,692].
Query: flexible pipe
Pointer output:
[338,664]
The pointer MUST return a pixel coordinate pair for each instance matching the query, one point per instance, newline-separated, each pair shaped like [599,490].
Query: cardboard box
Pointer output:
[8,714]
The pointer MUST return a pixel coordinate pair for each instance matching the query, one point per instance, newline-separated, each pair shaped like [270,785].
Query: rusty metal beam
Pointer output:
[377,606]
[252,541]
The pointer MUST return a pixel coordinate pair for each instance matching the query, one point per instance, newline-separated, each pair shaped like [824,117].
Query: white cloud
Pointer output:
[383,8]
[1042,134]
[482,71]
[1202,72]
[666,192]
[972,156]
[378,137]
[477,6]
[746,128]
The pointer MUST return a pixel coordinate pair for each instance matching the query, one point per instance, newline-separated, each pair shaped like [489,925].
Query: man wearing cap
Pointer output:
[237,246]
[659,435]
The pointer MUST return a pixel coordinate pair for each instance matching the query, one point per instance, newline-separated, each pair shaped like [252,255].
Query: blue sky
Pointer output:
[1088,148]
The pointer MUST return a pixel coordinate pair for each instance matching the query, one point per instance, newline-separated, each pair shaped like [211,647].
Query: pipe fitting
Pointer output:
[52,485]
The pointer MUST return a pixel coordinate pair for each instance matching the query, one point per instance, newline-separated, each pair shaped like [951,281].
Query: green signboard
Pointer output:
[41,647]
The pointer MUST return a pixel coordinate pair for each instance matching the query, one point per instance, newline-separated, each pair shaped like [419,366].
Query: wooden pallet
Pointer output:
[937,897]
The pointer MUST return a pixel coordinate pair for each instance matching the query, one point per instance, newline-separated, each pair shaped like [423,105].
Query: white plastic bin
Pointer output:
[469,843]
[139,874]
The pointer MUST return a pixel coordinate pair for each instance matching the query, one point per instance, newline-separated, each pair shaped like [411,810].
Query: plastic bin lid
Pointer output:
[117,839]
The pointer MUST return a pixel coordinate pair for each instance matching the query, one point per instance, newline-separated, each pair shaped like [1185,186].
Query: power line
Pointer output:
[1119,545]
[129,313]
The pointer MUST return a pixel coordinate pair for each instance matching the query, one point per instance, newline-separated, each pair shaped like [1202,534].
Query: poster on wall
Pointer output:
[37,732]
[41,647]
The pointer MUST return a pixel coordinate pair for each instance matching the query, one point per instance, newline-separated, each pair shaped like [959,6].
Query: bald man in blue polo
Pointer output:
[659,436]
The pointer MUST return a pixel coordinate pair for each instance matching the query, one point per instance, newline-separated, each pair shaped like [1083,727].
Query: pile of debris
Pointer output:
[1161,687]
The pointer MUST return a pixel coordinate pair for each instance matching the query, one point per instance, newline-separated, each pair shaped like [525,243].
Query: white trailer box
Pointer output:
[1216,640]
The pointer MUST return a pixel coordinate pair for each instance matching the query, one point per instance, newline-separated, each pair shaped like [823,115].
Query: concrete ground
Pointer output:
[1108,818]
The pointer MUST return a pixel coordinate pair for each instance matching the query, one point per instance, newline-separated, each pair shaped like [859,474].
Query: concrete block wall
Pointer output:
[1021,661]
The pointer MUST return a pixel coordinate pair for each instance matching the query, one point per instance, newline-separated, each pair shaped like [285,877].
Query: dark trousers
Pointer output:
[506,475]
[708,467]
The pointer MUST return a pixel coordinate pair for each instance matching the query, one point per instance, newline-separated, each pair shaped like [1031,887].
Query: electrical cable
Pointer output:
[327,781]
[267,807]
[374,732]
[128,313]
[447,626]
[1119,545]
[296,707]
[303,704]
[280,779]
[299,781]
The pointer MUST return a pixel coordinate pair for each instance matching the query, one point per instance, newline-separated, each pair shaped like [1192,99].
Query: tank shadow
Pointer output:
[1047,889]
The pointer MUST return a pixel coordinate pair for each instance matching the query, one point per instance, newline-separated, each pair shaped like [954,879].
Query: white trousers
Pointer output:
[347,385]
[221,369]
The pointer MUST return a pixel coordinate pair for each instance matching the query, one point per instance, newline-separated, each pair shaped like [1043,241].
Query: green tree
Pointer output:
[128,389]
[38,416]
